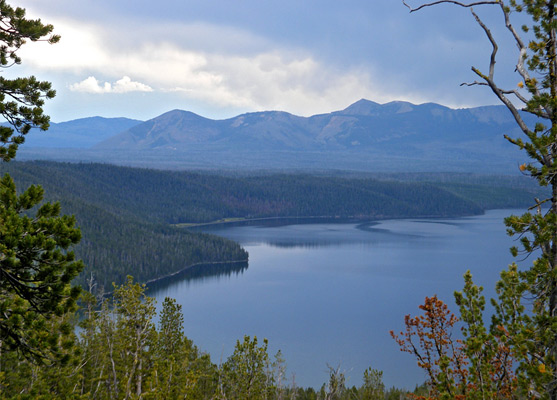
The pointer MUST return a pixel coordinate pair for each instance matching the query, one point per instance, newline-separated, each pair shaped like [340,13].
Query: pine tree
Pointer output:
[36,266]
[36,269]
[245,374]
[526,312]
[136,334]
[21,99]
[373,387]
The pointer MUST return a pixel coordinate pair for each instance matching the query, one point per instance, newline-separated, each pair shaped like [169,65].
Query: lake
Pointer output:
[329,293]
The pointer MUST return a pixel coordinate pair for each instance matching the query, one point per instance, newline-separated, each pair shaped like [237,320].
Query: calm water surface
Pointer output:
[329,293]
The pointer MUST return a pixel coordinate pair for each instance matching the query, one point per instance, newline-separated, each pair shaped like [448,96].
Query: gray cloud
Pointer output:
[303,57]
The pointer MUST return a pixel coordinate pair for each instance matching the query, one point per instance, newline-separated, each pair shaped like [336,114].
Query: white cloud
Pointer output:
[124,85]
[80,48]
[258,79]
[90,85]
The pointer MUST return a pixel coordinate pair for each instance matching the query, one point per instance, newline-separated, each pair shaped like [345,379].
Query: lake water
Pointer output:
[329,293]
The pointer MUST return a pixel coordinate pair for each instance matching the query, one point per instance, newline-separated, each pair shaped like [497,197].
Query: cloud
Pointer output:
[286,79]
[80,48]
[263,76]
[221,61]
[124,85]
[90,85]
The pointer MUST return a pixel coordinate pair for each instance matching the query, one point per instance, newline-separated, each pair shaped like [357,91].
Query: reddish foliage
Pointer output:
[429,338]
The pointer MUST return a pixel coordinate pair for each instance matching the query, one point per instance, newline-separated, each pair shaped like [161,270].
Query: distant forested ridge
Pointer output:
[117,240]
[126,214]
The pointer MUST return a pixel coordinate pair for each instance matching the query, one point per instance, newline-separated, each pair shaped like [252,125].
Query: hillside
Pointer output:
[126,214]
[398,127]
[80,133]
[116,241]
[366,136]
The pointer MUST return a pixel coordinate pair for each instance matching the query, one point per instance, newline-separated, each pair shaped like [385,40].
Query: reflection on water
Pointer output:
[307,234]
[271,222]
[331,292]
[200,273]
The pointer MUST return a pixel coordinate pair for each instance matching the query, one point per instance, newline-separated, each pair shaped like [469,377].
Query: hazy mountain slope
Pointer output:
[180,129]
[79,133]
[398,127]
[366,136]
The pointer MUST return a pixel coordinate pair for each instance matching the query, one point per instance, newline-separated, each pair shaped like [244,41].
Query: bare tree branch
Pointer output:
[513,91]
[489,79]
[458,3]
[475,83]
[494,45]
[522,48]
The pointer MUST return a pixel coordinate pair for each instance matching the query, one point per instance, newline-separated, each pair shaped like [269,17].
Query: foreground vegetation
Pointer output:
[120,353]
[515,356]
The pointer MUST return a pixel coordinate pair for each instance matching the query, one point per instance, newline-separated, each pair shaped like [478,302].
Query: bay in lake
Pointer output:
[329,293]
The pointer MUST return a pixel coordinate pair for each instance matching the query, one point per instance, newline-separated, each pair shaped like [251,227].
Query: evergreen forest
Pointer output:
[134,221]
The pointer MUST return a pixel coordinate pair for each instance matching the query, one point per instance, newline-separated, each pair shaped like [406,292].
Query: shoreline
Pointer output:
[168,276]
[161,278]
[232,221]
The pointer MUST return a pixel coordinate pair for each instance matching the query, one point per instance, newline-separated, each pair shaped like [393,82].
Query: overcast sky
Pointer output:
[220,58]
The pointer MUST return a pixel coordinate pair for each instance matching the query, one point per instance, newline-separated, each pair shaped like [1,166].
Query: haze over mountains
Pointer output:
[367,136]
[80,133]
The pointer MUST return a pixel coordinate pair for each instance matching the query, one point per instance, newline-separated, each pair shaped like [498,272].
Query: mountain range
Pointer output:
[80,133]
[396,136]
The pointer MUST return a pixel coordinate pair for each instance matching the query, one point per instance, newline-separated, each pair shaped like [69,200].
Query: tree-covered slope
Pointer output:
[115,241]
[126,213]
[114,246]
[179,197]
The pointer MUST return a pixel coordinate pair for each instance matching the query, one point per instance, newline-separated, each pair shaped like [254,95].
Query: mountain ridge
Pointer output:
[397,136]
[78,133]
[363,124]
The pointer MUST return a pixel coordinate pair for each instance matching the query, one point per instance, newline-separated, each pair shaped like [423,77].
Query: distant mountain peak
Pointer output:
[179,114]
[362,107]
[365,129]
[79,133]
[399,107]
[427,136]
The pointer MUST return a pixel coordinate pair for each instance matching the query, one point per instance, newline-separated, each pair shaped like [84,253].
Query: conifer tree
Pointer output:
[36,266]
[178,370]
[246,371]
[135,335]
[21,99]
[373,387]
[526,312]
[36,269]
[169,358]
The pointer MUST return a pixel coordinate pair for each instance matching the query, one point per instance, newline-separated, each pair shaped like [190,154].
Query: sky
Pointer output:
[221,58]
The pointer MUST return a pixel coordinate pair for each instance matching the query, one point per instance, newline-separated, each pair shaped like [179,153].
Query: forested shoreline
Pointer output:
[127,215]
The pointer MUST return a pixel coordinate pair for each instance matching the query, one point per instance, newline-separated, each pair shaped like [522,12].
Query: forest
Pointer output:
[130,218]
